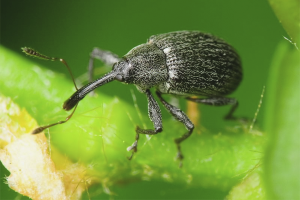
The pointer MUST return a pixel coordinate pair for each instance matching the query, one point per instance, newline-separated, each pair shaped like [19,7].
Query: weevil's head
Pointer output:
[144,66]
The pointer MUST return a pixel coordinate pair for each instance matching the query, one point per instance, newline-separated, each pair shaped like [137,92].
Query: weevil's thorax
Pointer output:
[146,66]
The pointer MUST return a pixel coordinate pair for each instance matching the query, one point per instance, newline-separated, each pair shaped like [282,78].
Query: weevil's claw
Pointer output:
[132,148]
[180,158]
[130,157]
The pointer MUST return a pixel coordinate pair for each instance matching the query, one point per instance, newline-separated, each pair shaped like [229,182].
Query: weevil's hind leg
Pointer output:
[219,101]
[180,116]
[106,57]
[155,116]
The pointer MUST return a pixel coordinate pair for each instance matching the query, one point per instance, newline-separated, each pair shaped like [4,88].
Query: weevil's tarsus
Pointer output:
[133,147]
[31,52]
[42,128]
[155,116]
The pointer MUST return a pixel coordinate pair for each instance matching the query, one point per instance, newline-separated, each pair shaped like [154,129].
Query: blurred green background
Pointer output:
[70,29]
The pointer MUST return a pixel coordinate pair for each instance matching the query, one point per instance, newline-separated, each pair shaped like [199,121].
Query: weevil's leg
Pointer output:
[180,116]
[106,57]
[218,101]
[155,116]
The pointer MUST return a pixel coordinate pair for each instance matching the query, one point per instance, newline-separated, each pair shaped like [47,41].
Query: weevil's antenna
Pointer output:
[42,128]
[34,53]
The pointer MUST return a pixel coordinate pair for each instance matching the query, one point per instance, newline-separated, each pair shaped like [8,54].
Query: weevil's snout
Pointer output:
[82,92]
[71,102]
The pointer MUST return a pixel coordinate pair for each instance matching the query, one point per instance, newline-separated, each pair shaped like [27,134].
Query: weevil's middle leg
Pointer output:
[155,116]
[180,116]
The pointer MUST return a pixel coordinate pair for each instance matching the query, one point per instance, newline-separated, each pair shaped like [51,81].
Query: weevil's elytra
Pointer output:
[207,65]
[185,63]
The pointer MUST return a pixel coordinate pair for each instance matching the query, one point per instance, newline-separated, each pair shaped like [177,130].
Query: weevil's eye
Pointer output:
[119,77]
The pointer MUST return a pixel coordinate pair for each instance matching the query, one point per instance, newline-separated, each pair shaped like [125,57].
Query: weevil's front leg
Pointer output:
[155,116]
[106,57]
[180,116]
[218,101]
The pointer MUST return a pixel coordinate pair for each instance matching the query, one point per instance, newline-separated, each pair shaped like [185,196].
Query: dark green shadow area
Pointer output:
[157,190]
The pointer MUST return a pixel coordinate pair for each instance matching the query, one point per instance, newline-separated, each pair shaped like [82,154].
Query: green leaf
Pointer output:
[282,160]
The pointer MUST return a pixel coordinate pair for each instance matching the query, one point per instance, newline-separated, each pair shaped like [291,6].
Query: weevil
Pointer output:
[195,65]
